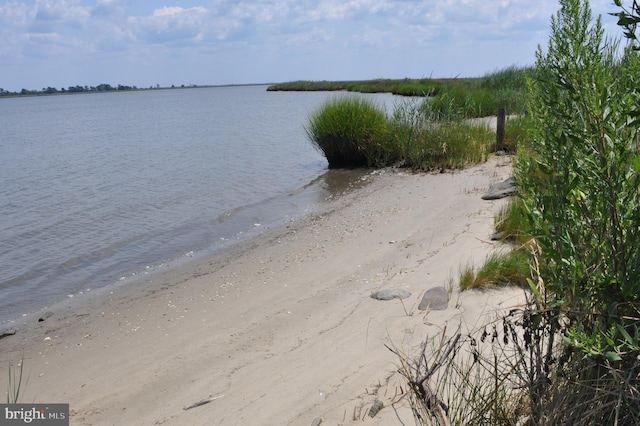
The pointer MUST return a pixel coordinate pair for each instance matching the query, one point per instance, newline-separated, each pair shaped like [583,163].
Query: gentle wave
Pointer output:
[98,186]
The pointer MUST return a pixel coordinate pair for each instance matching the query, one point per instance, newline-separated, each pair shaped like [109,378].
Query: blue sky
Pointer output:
[63,43]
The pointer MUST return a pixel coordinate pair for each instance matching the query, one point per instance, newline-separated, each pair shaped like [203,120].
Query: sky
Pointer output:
[62,43]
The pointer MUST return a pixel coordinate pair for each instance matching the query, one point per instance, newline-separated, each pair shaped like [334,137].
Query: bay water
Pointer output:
[99,188]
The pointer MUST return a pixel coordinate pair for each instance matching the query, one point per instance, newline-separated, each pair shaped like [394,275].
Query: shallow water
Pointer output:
[98,187]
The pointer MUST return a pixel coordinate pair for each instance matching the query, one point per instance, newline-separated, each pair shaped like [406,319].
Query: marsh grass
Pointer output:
[481,97]
[499,269]
[428,133]
[517,134]
[352,131]
[431,139]
[444,146]
[405,87]
[309,86]
[512,222]
[470,97]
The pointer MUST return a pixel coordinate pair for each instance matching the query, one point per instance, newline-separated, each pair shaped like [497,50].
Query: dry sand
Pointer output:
[279,329]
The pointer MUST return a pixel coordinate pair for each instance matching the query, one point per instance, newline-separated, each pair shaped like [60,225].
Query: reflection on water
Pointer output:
[341,181]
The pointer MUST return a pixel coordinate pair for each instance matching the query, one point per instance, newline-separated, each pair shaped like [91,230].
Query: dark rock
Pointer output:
[390,293]
[45,316]
[8,332]
[435,299]
[501,190]
[316,422]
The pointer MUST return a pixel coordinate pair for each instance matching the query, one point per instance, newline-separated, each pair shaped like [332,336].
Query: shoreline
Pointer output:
[279,328]
[239,225]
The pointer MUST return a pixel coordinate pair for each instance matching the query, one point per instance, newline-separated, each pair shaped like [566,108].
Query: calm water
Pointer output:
[97,187]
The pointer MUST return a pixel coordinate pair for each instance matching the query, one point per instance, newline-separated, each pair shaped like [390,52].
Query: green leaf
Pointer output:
[627,337]
[534,289]
[612,356]
[636,163]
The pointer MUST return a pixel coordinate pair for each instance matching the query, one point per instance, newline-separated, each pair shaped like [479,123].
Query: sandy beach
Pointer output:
[278,329]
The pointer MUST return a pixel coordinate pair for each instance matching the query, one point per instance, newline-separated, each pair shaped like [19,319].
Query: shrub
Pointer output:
[580,187]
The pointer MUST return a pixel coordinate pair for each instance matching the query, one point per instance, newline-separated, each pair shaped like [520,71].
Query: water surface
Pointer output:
[97,187]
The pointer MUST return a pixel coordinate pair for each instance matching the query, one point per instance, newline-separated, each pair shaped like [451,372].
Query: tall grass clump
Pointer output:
[428,139]
[352,131]
[355,132]
[516,133]
[509,86]
[481,97]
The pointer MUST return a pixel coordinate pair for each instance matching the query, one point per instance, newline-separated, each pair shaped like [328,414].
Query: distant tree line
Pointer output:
[82,89]
[71,89]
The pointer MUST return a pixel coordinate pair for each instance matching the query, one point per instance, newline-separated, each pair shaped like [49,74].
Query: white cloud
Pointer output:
[15,13]
[396,38]
[169,23]
[108,8]
[63,12]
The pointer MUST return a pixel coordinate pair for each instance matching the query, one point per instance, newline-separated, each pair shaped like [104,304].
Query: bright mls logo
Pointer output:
[34,414]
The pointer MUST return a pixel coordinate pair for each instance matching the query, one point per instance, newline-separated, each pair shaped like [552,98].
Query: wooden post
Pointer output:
[500,129]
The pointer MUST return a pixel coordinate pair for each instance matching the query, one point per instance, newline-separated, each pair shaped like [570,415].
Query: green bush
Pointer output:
[580,183]
[581,190]
[571,354]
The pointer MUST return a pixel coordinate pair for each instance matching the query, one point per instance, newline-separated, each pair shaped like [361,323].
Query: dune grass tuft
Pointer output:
[499,269]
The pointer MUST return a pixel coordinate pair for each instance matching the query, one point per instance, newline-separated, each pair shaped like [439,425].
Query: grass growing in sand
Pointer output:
[428,133]
[501,268]
[511,222]
[14,386]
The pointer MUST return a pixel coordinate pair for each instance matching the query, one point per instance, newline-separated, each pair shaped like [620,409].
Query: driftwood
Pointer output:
[438,408]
